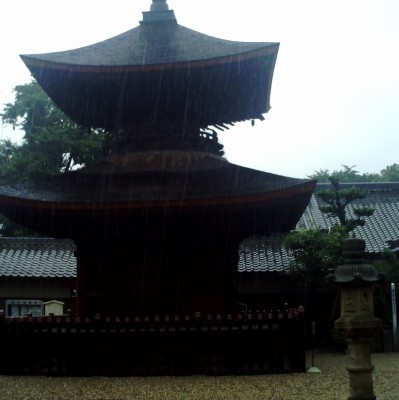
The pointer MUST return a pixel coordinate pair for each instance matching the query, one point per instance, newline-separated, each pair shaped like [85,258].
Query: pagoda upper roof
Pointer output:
[162,72]
[148,48]
[159,40]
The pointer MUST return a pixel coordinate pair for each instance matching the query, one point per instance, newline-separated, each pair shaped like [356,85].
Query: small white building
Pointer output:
[53,307]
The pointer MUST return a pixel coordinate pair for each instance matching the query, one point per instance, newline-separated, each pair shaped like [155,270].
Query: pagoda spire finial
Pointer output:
[159,5]
[159,11]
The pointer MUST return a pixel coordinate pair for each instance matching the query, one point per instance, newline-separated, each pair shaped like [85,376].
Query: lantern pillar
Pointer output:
[357,323]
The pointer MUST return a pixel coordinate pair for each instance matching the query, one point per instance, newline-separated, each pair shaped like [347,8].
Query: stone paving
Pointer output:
[330,384]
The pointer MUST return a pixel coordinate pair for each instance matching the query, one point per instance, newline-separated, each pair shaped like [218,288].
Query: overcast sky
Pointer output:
[335,93]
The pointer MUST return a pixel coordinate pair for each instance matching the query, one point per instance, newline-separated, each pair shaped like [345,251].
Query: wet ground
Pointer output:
[331,384]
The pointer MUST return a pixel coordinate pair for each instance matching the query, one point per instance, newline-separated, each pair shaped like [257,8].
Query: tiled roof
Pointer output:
[76,200]
[382,226]
[142,78]
[54,258]
[164,44]
[269,254]
[37,257]
[205,178]
[261,253]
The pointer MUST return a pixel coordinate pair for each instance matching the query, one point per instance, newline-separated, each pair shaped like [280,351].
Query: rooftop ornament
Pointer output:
[159,11]
[159,5]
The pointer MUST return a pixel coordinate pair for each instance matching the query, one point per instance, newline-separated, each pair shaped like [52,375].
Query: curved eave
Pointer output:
[131,95]
[243,200]
[151,45]
[161,72]
[36,62]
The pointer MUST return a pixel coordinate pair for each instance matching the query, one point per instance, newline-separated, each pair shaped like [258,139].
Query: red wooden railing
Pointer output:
[258,343]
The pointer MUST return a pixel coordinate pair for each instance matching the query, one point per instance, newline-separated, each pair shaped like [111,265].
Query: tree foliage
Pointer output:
[390,173]
[348,174]
[317,252]
[52,144]
[336,202]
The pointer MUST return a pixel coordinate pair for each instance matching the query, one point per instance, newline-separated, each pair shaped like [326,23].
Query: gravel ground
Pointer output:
[332,383]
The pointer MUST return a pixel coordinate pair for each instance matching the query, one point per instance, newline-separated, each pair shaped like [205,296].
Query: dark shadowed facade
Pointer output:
[27,262]
[158,222]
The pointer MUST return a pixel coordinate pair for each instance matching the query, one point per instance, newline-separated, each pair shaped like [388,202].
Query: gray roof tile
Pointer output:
[37,257]
[382,226]
[268,253]
[261,253]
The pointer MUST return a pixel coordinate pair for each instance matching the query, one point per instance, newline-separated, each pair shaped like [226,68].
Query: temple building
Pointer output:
[158,222]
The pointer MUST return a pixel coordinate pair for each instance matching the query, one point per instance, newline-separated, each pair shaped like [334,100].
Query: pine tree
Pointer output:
[337,201]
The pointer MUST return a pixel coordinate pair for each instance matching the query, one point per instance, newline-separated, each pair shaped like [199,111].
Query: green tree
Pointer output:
[390,173]
[52,143]
[348,174]
[316,253]
[7,150]
[336,202]
[321,176]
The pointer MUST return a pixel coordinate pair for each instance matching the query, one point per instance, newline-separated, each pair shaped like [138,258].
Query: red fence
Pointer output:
[214,345]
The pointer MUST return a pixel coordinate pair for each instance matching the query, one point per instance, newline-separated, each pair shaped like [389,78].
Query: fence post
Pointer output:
[394,318]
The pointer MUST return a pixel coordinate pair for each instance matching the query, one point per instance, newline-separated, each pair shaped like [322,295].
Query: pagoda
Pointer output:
[158,222]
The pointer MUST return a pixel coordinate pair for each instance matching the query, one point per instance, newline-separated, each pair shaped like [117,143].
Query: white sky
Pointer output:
[335,94]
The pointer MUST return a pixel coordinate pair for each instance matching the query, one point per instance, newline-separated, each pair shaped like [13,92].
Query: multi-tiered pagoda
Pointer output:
[158,222]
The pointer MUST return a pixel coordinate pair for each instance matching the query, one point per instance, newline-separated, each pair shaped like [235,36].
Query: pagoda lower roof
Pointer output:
[161,72]
[194,179]
[158,182]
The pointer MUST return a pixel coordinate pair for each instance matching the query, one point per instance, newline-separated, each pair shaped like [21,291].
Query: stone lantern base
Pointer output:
[357,324]
[358,334]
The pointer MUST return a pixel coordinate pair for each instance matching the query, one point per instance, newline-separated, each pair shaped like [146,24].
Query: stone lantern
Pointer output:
[357,323]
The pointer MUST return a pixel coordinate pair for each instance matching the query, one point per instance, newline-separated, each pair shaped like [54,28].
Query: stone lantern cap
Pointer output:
[356,271]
